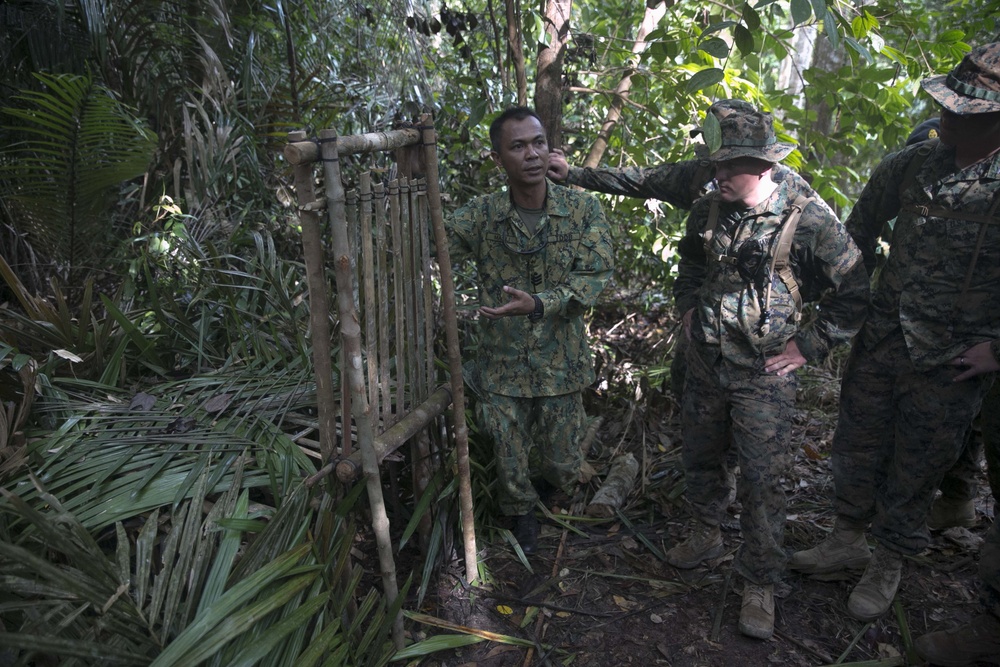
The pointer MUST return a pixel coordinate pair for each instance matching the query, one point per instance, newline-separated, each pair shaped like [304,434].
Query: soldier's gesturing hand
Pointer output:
[787,361]
[976,360]
[521,303]
[558,167]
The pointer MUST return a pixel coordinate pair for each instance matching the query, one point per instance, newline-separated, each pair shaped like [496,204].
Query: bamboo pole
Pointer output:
[398,434]
[368,271]
[319,305]
[454,350]
[351,340]
[301,152]
[382,248]
[397,284]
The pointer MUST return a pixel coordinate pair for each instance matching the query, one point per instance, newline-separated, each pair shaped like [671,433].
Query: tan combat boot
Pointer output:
[951,512]
[977,641]
[874,593]
[704,543]
[757,612]
[845,549]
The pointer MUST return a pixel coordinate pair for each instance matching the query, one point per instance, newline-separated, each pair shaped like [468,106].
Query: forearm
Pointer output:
[840,316]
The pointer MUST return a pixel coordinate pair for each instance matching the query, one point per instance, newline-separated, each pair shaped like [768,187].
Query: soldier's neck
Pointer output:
[969,153]
[532,196]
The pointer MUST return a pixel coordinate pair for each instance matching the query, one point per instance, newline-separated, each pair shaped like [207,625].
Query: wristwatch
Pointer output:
[539,310]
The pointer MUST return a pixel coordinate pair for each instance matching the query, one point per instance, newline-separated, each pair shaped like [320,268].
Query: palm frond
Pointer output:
[72,143]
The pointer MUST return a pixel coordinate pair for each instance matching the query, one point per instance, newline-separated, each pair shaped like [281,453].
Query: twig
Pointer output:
[717,625]
[854,642]
[805,647]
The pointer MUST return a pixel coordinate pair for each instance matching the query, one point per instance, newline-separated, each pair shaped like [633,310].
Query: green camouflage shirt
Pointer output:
[921,286]
[727,308]
[566,262]
[679,184]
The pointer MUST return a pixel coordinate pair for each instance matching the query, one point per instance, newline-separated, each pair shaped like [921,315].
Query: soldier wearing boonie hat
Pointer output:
[925,355]
[741,309]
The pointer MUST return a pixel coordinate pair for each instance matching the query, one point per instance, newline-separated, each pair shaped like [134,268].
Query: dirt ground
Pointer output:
[599,592]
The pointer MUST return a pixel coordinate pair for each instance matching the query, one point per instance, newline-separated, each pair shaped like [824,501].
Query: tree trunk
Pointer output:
[515,47]
[548,85]
[649,21]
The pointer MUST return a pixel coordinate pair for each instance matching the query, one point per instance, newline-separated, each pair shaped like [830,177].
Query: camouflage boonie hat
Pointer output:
[746,132]
[971,88]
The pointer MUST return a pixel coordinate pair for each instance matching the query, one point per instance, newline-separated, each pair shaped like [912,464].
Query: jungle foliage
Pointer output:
[153,316]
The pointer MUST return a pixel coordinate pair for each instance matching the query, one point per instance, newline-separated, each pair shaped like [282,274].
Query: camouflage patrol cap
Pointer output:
[746,132]
[971,88]
[929,129]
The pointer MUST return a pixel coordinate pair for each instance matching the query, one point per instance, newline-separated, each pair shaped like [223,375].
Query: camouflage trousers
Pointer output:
[725,406]
[553,424]
[898,431]
[961,482]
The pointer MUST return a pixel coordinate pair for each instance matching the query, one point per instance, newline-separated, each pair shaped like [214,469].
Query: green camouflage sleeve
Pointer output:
[829,262]
[693,265]
[678,184]
[878,203]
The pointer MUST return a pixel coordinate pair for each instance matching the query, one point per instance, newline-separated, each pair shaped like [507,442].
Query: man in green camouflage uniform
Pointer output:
[745,342]
[929,347]
[543,254]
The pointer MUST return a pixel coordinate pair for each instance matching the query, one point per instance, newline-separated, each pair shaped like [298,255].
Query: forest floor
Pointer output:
[599,592]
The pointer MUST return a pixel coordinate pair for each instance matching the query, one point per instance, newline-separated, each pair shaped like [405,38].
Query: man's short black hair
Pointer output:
[513,113]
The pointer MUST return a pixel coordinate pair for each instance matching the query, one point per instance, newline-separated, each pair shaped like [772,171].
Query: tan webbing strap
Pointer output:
[917,161]
[941,212]
[713,220]
[779,258]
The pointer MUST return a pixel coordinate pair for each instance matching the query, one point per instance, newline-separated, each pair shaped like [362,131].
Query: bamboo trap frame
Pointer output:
[390,386]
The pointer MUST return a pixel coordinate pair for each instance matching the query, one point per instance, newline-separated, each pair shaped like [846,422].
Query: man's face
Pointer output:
[739,178]
[523,152]
[969,129]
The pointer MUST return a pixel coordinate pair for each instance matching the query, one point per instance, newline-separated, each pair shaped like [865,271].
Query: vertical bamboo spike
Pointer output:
[381,247]
[454,351]
[319,306]
[368,272]
[398,301]
[351,340]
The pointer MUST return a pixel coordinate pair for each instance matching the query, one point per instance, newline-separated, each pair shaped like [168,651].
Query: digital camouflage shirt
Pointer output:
[935,285]
[679,184]
[566,262]
[727,307]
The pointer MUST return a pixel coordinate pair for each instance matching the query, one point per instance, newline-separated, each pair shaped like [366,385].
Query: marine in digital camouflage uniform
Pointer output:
[740,386]
[543,254]
[679,184]
[929,347]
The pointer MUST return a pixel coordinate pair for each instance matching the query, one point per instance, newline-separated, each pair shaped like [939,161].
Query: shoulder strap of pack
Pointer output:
[782,249]
[917,161]
[713,221]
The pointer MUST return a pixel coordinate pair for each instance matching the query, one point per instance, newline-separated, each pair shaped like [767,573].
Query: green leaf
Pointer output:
[744,40]
[819,7]
[704,79]
[712,133]
[715,47]
[830,28]
[951,36]
[861,50]
[750,17]
[434,644]
[801,11]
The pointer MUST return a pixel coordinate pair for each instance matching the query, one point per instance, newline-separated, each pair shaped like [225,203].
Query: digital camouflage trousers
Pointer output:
[554,425]
[898,431]
[726,406]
